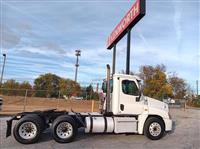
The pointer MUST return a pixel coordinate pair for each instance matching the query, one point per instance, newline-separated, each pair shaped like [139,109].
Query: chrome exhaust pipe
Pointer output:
[108,89]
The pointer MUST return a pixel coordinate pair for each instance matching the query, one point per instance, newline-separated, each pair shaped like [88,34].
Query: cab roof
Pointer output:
[127,76]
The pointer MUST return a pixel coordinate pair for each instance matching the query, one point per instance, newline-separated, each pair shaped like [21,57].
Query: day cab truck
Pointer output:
[126,110]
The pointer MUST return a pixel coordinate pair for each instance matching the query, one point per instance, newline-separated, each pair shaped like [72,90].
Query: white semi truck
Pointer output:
[126,110]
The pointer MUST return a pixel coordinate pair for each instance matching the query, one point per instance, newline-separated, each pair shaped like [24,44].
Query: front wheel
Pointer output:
[154,128]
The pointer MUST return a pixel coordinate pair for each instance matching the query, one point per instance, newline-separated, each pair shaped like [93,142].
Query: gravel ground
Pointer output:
[185,136]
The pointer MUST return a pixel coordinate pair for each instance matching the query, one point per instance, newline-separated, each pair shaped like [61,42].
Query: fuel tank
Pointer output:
[99,124]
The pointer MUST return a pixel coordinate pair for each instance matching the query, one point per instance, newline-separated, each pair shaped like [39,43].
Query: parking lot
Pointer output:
[186,135]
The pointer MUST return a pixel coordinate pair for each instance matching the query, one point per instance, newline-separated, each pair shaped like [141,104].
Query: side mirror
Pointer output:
[104,87]
[139,94]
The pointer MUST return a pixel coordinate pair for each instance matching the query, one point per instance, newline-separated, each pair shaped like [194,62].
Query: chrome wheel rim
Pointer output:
[155,129]
[27,130]
[64,130]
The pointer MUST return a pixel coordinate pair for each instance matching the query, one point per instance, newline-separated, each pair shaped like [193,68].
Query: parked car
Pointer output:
[169,101]
[76,98]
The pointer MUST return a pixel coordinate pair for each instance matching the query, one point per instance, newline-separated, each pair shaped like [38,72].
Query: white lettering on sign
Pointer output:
[124,23]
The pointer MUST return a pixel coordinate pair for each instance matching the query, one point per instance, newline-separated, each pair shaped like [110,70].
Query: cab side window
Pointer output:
[130,88]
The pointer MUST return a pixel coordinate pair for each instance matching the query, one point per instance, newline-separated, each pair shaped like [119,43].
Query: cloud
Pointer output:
[52,49]
[177,24]
[24,27]
[9,38]
[45,36]
[56,47]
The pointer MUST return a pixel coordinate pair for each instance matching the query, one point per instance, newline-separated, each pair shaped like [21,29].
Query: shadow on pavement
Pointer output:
[47,135]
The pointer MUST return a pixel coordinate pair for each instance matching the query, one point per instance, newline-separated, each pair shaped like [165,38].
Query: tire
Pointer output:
[154,128]
[64,129]
[28,129]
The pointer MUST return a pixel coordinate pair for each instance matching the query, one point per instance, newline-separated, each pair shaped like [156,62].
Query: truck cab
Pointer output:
[126,100]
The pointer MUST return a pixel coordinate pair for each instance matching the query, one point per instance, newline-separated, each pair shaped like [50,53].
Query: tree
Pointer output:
[89,91]
[179,86]
[155,82]
[23,87]
[10,87]
[48,82]
[69,88]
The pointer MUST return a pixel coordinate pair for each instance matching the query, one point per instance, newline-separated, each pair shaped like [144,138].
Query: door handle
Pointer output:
[121,107]
[137,99]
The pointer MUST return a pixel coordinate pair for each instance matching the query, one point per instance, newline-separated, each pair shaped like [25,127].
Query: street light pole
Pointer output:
[78,53]
[4,61]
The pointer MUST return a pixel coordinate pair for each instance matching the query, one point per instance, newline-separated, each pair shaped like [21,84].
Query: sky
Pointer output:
[42,36]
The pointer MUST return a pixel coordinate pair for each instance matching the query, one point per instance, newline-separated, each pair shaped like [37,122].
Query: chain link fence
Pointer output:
[20,100]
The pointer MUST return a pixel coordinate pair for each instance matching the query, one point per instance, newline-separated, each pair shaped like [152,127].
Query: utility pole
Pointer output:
[4,61]
[78,53]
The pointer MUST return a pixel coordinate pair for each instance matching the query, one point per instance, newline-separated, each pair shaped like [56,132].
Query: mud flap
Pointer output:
[9,128]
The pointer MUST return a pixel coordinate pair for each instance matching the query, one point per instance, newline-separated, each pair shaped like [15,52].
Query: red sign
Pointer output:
[136,12]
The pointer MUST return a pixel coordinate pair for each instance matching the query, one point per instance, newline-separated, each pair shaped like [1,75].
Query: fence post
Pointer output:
[25,100]
[58,94]
[92,108]
[58,100]
[90,95]
[184,105]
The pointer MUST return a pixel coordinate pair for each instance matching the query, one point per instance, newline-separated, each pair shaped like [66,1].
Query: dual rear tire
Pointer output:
[29,128]
[64,129]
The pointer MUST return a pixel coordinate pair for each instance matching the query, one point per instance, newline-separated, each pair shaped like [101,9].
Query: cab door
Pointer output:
[129,95]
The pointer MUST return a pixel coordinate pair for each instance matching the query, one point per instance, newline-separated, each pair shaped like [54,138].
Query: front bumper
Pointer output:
[168,124]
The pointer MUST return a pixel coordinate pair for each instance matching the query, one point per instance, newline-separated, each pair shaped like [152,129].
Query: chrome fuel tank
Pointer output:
[99,124]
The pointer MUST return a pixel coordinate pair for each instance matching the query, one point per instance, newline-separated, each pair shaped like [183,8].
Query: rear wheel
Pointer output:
[64,129]
[28,129]
[154,128]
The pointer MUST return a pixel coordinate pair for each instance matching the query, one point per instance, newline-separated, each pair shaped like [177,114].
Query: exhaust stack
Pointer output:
[108,89]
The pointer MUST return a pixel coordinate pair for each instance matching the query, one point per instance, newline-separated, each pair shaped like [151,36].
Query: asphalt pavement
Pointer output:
[186,135]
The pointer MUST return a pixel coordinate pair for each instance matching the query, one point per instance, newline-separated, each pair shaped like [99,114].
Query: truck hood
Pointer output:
[153,103]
